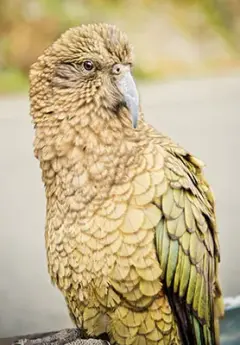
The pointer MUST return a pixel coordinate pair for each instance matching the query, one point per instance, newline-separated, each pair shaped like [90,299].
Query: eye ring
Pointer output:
[88,65]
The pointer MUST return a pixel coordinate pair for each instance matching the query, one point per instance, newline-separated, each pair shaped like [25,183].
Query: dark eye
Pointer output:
[88,65]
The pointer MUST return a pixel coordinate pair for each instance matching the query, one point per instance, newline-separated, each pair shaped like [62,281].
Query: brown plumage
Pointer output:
[130,231]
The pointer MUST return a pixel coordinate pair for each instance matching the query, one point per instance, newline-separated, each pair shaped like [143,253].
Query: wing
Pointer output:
[188,249]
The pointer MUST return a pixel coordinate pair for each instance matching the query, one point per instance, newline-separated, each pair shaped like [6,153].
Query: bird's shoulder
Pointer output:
[182,168]
[183,184]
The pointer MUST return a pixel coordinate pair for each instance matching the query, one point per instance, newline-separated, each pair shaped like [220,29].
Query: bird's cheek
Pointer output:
[109,92]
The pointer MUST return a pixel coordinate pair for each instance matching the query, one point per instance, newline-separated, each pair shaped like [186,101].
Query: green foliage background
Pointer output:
[171,37]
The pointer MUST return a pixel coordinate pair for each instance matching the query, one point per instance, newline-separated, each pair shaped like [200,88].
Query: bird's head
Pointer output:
[87,70]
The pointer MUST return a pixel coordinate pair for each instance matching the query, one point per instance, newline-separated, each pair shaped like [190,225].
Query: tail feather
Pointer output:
[193,331]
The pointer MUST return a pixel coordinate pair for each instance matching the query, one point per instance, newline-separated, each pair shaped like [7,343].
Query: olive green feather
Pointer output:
[185,244]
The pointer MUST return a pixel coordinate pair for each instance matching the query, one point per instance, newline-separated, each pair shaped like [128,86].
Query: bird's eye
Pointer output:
[88,65]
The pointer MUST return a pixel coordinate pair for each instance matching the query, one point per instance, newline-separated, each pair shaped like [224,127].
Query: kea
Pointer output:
[131,234]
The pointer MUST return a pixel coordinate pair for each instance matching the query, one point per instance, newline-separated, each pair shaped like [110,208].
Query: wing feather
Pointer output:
[188,249]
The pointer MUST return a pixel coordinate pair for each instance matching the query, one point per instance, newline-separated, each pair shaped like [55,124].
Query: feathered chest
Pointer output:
[96,232]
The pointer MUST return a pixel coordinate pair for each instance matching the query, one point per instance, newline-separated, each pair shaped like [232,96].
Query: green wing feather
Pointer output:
[188,250]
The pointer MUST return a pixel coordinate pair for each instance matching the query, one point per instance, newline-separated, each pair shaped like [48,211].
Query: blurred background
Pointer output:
[180,37]
[188,71]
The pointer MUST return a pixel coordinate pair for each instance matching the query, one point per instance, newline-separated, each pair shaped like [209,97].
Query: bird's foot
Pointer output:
[63,337]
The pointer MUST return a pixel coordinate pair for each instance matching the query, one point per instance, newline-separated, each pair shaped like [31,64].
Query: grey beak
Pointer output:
[128,88]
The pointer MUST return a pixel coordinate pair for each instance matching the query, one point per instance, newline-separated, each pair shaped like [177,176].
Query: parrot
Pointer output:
[131,235]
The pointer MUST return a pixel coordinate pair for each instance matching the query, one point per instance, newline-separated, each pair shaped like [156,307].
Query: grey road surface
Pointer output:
[202,115]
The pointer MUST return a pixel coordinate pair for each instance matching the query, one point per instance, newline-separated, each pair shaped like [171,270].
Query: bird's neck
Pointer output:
[85,156]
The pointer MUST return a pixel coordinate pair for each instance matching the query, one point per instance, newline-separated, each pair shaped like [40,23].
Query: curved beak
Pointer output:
[127,86]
